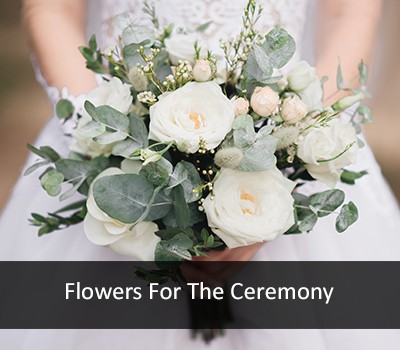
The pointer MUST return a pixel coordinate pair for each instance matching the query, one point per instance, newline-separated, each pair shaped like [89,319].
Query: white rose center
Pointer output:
[248,203]
[198,120]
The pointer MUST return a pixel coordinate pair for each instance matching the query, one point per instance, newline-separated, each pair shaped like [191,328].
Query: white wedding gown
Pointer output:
[376,236]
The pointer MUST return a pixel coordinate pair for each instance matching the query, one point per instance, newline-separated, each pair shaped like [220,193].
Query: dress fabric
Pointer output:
[376,236]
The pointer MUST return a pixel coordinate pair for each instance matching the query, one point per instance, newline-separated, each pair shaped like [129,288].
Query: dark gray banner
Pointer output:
[126,295]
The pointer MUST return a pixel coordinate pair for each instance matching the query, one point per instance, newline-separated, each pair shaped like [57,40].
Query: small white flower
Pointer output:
[202,71]
[147,97]
[293,109]
[250,207]
[149,156]
[323,149]
[264,101]
[241,105]
[194,113]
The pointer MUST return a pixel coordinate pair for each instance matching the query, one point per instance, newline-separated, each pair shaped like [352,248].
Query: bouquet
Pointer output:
[181,151]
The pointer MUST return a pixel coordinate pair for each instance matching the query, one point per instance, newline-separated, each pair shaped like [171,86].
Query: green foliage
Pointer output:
[309,209]
[348,215]
[93,57]
[174,249]
[80,173]
[157,172]
[258,148]
[366,114]
[54,221]
[339,78]
[124,197]
[48,154]
[64,109]
[51,182]
[277,49]
[325,203]
[350,177]
[181,208]
[186,175]
[363,73]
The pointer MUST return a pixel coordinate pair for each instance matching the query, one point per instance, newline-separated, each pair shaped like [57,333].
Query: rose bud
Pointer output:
[348,101]
[202,71]
[241,105]
[293,109]
[264,101]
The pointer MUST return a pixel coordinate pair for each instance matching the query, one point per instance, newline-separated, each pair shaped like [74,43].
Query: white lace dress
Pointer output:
[376,236]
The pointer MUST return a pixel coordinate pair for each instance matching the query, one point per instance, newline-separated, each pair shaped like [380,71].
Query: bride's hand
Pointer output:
[245,253]
[201,268]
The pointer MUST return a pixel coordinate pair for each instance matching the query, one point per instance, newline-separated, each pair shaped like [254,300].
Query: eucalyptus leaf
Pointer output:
[70,192]
[111,118]
[350,177]
[110,137]
[138,130]
[308,221]
[339,78]
[35,166]
[123,20]
[279,46]
[203,27]
[366,113]
[45,152]
[363,71]
[243,131]
[192,182]
[196,216]
[258,66]
[91,129]
[64,109]
[258,148]
[348,215]
[327,202]
[181,208]
[125,148]
[123,197]
[139,35]
[160,207]
[51,182]
[175,249]
[157,172]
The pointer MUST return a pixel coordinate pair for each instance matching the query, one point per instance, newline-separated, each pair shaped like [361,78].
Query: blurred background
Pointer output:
[25,108]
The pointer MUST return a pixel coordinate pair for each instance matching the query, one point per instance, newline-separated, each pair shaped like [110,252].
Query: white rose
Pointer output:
[301,76]
[241,105]
[328,143]
[195,112]
[312,95]
[113,93]
[139,241]
[180,47]
[250,207]
[293,109]
[264,101]
[304,80]
[202,71]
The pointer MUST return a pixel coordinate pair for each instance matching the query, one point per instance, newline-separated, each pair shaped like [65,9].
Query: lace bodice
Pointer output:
[225,17]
